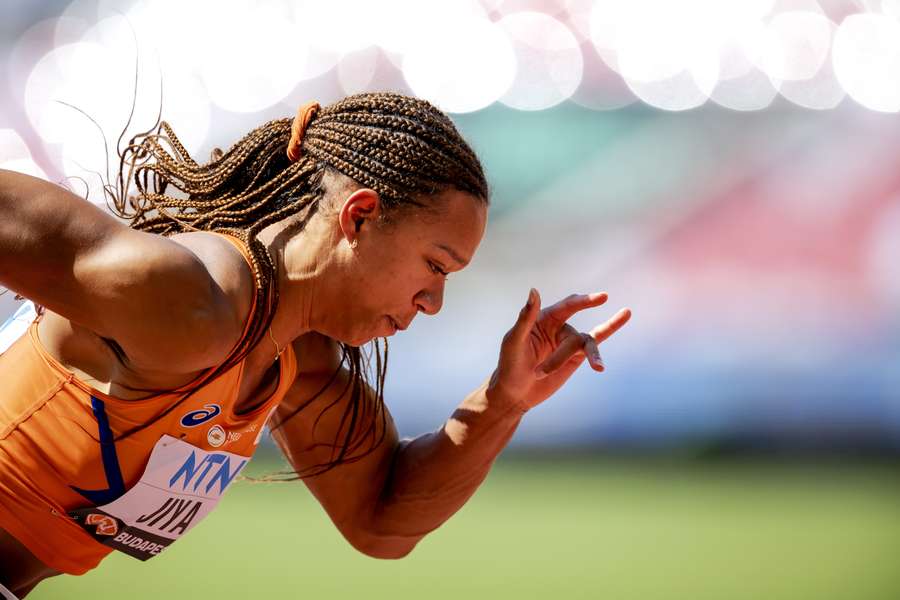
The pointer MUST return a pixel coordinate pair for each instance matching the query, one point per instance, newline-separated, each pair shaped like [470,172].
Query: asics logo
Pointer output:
[200,416]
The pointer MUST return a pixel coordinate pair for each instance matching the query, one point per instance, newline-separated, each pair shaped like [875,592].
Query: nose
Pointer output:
[430,300]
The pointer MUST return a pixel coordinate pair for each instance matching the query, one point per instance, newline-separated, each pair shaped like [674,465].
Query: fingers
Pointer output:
[563,310]
[527,317]
[589,346]
[592,351]
[572,343]
[602,332]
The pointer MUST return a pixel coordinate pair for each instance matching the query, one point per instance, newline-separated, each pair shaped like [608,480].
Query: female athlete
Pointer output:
[240,294]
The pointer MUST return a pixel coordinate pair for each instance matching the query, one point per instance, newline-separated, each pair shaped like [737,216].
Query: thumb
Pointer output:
[527,316]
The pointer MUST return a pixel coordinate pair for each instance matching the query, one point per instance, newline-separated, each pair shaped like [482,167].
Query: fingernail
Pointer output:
[531,293]
[540,373]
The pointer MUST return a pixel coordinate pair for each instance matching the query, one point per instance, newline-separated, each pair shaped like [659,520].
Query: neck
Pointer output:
[300,271]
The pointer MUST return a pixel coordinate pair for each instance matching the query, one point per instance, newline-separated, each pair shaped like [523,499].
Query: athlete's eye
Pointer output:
[437,270]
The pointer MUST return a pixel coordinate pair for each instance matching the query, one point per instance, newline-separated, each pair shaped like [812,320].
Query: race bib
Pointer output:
[180,485]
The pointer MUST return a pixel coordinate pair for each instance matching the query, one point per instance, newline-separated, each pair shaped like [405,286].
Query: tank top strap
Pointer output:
[254,304]
[288,357]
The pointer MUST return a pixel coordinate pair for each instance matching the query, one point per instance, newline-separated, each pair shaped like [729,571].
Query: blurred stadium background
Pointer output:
[726,169]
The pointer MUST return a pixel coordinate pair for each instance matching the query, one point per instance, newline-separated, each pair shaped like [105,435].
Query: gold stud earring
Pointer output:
[354,244]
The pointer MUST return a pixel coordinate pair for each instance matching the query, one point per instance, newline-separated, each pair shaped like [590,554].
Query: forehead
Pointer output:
[456,225]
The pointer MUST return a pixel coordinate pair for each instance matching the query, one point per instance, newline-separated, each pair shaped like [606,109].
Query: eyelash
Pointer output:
[437,270]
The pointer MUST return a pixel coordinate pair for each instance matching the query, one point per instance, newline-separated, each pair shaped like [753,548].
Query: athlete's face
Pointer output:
[394,271]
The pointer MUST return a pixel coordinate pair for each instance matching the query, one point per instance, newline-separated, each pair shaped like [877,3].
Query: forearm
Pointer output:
[434,474]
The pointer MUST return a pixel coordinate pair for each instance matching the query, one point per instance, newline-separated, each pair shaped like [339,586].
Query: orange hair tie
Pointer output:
[305,114]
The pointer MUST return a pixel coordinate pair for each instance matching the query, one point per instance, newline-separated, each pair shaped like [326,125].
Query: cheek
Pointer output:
[375,293]
[387,279]
[391,276]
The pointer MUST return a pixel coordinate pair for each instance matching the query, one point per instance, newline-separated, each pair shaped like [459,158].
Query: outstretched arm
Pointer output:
[384,504]
[433,475]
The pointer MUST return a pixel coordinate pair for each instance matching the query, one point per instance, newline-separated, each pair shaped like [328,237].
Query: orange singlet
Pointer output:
[72,492]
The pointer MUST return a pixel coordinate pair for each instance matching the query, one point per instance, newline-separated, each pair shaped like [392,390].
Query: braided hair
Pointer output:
[402,147]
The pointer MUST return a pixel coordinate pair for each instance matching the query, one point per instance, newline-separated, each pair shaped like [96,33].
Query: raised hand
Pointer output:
[541,351]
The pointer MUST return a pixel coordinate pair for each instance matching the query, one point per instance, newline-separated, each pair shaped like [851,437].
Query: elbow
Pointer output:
[383,547]
[388,552]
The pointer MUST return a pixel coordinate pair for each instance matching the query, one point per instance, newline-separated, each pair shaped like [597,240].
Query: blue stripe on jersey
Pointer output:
[110,461]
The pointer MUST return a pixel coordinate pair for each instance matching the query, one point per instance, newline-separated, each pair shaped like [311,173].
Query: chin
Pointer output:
[361,337]
[353,338]
[362,340]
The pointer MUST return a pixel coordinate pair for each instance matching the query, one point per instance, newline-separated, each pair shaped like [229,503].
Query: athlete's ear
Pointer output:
[361,209]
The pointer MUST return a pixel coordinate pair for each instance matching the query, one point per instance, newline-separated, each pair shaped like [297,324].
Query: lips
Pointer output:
[392,324]
[404,326]
[396,324]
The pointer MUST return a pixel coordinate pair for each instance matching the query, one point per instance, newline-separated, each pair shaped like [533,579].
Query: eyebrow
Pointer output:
[453,254]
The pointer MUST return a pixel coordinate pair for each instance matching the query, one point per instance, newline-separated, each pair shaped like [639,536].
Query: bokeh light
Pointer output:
[601,88]
[742,84]
[666,52]
[686,89]
[822,90]
[752,90]
[461,77]
[891,8]
[867,60]
[357,69]
[62,104]
[255,58]
[548,58]
[796,45]
[246,54]
[15,156]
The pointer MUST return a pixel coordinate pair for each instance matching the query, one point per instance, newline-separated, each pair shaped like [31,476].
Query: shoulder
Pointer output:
[226,266]
[230,276]
[174,305]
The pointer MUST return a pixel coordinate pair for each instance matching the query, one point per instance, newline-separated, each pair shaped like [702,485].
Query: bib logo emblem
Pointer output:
[105,525]
[200,416]
[215,436]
